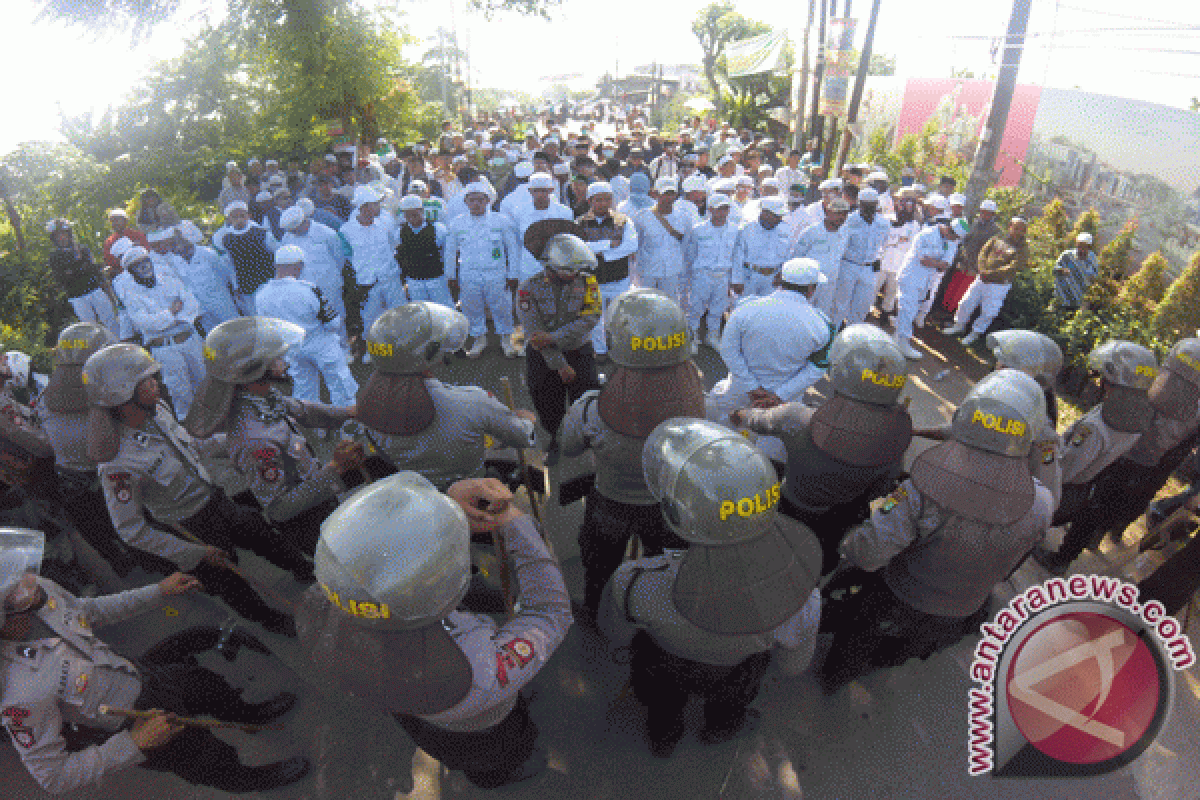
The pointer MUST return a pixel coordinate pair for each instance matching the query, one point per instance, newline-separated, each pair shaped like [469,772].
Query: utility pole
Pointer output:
[800,91]
[983,168]
[860,79]
[815,125]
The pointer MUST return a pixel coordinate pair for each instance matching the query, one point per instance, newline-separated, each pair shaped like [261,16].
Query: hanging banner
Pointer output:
[762,54]
[840,65]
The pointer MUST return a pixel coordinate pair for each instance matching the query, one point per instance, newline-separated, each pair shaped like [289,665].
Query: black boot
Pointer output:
[265,712]
[273,776]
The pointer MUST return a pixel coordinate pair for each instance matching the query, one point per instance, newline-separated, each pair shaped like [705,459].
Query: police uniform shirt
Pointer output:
[939,562]
[65,678]
[709,247]
[284,475]
[149,308]
[824,246]
[504,659]
[67,434]
[768,343]
[815,480]
[1161,435]
[371,247]
[639,597]
[1090,445]
[565,311]
[619,474]
[157,469]
[453,447]
[758,247]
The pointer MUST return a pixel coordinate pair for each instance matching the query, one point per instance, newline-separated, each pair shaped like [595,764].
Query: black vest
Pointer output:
[595,230]
[417,254]
[253,263]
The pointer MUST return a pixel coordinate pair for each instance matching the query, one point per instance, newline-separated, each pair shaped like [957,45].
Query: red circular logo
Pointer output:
[1083,688]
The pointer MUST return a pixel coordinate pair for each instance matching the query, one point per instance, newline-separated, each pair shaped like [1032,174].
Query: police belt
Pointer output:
[163,341]
[762,270]
[876,263]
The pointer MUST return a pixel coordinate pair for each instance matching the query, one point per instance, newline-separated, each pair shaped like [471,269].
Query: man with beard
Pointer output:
[163,311]
[209,278]
[999,262]
[545,206]
[613,238]
[825,242]
[118,220]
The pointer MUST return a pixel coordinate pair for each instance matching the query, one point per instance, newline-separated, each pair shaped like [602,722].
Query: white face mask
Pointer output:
[609,153]
[499,161]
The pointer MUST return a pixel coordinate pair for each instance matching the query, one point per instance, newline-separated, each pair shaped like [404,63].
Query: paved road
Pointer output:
[897,734]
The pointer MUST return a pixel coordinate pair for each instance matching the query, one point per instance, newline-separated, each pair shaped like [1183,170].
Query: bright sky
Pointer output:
[1094,50]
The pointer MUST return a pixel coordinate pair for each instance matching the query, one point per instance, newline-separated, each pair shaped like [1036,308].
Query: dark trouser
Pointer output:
[663,682]
[829,525]
[225,524]
[607,528]
[874,629]
[1122,492]
[303,530]
[195,755]
[1174,583]
[489,758]
[551,396]
[83,501]
[1075,500]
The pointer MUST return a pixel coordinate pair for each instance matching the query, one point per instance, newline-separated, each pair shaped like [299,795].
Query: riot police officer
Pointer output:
[709,612]
[965,518]
[64,412]
[148,462]
[650,342]
[423,424]
[558,309]
[245,368]
[849,450]
[54,670]
[384,623]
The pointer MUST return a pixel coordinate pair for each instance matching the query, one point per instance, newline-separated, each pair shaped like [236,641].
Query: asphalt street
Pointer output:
[900,733]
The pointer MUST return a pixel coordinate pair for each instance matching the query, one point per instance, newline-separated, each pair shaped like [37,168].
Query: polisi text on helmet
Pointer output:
[994,422]
[653,343]
[759,503]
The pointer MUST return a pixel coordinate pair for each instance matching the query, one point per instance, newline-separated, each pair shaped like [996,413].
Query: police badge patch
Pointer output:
[122,488]
[893,500]
[1082,434]
[14,720]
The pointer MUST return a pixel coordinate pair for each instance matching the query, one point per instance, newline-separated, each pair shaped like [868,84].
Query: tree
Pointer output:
[715,26]
[1145,289]
[1178,315]
[1114,264]
[1194,105]
[881,64]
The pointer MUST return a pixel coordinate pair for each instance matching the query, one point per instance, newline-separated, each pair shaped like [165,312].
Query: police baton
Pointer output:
[188,722]
[526,478]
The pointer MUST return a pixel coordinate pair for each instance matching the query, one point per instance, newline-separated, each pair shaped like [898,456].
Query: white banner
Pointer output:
[758,55]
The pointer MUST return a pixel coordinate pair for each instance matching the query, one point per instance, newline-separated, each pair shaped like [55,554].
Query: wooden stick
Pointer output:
[522,465]
[190,722]
[229,565]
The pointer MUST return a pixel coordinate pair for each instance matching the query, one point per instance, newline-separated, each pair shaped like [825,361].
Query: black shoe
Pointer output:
[663,746]
[1050,561]
[747,724]
[533,766]
[273,776]
[280,623]
[268,711]
[231,640]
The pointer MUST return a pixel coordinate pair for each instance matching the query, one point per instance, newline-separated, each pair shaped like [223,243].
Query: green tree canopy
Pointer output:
[715,26]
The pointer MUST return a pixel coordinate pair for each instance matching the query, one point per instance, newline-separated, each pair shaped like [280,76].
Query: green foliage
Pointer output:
[1178,315]
[927,153]
[1145,289]
[715,26]
[1114,266]
[1011,202]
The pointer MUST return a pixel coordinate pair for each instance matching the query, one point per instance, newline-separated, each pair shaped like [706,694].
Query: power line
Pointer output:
[1120,16]
[1082,31]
